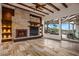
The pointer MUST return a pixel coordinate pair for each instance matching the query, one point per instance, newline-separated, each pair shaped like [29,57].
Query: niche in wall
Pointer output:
[7,14]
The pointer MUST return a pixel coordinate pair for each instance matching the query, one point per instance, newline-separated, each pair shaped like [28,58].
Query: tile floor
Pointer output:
[35,47]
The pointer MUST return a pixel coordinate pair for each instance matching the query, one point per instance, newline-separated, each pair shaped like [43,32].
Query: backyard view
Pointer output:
[53,28]
[68,30]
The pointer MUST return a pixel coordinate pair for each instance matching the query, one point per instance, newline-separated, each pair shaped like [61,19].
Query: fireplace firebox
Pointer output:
[21,32]
[33,31]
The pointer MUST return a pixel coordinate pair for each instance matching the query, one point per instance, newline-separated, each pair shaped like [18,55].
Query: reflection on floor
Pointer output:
[48,35]
[35,47]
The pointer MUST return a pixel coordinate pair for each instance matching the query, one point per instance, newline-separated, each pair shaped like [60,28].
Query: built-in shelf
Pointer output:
[6,27]
[7,24]
[7,38]
[6,32]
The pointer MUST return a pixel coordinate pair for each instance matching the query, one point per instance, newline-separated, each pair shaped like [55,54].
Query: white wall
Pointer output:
[0,23]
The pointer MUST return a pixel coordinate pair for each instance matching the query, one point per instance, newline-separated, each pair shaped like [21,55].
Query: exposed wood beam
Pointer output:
[48,9]
[23,9]
[65,5]
[53,6]
[44,7]
[32,8]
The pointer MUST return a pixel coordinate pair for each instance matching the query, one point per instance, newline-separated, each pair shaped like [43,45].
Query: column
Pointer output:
[69,30]
[47,26]
[73,30]
[0,23]
[60,29]
[43,27]
[69,26]
[77,31]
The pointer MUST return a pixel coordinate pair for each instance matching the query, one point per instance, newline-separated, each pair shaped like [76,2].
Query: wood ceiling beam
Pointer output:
[32,8]
[65,5]
[44,7]
[50,4]
[23,9]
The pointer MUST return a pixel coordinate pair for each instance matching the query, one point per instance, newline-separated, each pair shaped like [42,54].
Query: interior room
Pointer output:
[39,29]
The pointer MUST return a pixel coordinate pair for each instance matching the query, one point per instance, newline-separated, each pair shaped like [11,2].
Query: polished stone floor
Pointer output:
[35,47]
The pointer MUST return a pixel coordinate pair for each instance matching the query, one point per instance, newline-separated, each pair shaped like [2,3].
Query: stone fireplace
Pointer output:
[27,28]
[21,33]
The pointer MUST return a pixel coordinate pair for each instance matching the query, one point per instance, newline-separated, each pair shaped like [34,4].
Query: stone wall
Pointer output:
[20,21]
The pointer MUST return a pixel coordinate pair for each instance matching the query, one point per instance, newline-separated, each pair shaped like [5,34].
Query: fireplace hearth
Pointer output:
[21,33]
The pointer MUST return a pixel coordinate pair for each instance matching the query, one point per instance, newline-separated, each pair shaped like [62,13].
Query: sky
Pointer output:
[65,26]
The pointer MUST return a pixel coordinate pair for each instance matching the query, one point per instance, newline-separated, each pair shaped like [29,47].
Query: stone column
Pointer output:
[60,29]
[0,23]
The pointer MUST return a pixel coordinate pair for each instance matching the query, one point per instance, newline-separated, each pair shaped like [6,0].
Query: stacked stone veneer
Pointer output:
[20,21]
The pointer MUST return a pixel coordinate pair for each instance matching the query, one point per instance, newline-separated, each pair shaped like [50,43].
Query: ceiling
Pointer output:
[41,9]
